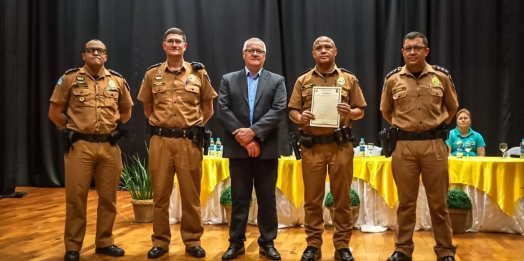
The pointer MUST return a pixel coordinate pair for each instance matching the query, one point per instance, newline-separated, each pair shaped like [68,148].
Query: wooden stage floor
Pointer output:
[31,228]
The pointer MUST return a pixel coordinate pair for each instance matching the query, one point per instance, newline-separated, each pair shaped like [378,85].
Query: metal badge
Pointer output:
[191,78]
[159,77]
[81,99]
[341,81]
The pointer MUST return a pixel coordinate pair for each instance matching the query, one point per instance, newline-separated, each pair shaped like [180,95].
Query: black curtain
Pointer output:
[479,42]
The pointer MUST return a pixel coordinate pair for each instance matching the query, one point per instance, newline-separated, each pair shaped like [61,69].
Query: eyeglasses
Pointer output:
[253,51]
[174,42]
[417,49]
[93,50]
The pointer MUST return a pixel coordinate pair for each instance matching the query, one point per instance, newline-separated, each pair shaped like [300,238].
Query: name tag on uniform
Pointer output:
[399,89]
[159,83]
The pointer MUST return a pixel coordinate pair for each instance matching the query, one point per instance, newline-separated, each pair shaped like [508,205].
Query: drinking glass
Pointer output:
[503,147]
[370,147]
[467,147]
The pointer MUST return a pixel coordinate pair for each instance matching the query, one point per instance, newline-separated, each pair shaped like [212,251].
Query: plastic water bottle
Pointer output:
[362,148]
[212,147]
[219,148]
[522,149]
[460,149]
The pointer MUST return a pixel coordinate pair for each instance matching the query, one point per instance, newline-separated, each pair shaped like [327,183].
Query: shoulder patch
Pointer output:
[306,71]
[396,70]
[345,70]
[116,73]
[71,70]
[153,66]
[440,68]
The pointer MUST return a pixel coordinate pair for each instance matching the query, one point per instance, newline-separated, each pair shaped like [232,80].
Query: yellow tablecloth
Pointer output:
[501,179]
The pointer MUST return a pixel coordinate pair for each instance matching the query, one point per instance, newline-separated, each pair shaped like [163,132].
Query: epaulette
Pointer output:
[345,70]
[306,71]
[153,66]
[440,68]
[396,70]
[116,73]
[72,70]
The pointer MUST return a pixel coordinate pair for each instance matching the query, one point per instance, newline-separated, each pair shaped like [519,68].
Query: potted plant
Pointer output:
[226,201]
[459,206]
[137,180]
[355,203]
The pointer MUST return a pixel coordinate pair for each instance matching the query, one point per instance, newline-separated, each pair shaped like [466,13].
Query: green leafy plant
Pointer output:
[226,199]
[458,199]
[355,200]
[136,177]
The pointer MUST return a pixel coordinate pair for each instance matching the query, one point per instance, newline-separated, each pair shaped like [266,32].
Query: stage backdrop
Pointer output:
[479,42]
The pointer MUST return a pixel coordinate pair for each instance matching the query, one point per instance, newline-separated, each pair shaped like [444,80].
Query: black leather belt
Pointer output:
[421,135]
[172,132]
[324,139]
[92,137]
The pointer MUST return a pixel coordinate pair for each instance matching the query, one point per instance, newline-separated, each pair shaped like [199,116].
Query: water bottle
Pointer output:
[212,147]
[460,149]
[362,148]
[522,149]
[219,148]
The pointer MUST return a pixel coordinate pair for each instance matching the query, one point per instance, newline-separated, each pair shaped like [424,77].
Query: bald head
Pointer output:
[323,39]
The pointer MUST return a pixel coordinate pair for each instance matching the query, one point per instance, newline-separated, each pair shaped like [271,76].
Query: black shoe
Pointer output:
[270,252]
[233,251]
[72,256]
[399,256]
[447,258]
[156,252]
[311,254]
[344,254]
[111,250]
[196,251]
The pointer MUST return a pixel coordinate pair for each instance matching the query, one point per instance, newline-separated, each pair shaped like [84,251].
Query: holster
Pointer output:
[385,140]
[66,139]
[201,137]
[117,134]
[307,140]
[295,144]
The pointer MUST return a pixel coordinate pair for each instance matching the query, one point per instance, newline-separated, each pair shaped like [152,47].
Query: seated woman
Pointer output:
[463,132]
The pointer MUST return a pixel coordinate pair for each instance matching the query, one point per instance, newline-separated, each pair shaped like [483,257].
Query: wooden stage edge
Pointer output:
[31,228]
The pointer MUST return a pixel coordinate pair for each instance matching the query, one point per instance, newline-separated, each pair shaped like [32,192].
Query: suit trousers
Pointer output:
[168,156]
[410,160]
[262,174]
[337,161]
[84,161]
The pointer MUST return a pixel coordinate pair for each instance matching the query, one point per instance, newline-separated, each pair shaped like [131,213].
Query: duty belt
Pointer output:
[421,135]
[96,138]
[323,139]
[172,132]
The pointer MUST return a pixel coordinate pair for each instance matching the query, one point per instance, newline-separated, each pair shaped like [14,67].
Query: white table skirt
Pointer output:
[374,214]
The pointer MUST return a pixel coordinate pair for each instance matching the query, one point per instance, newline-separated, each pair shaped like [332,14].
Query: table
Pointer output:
[495,185]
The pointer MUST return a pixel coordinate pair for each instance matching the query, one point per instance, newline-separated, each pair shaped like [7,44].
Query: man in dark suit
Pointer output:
[251,104]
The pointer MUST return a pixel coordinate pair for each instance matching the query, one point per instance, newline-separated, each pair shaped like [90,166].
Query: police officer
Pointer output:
[177,97]
[326,153]
[87,104]
[419,100]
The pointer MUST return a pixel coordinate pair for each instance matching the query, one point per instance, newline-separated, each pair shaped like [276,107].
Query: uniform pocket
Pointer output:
[401,101]
[306,98]
[436,93]
[82,97]
[192,94]
[111,98]
[160,94]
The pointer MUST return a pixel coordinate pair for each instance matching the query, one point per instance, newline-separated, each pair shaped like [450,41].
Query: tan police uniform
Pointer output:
[93,109]
[337,158]
[420,105]
[176,99]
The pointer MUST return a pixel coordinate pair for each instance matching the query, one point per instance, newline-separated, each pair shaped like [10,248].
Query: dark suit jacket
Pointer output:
[269,110]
